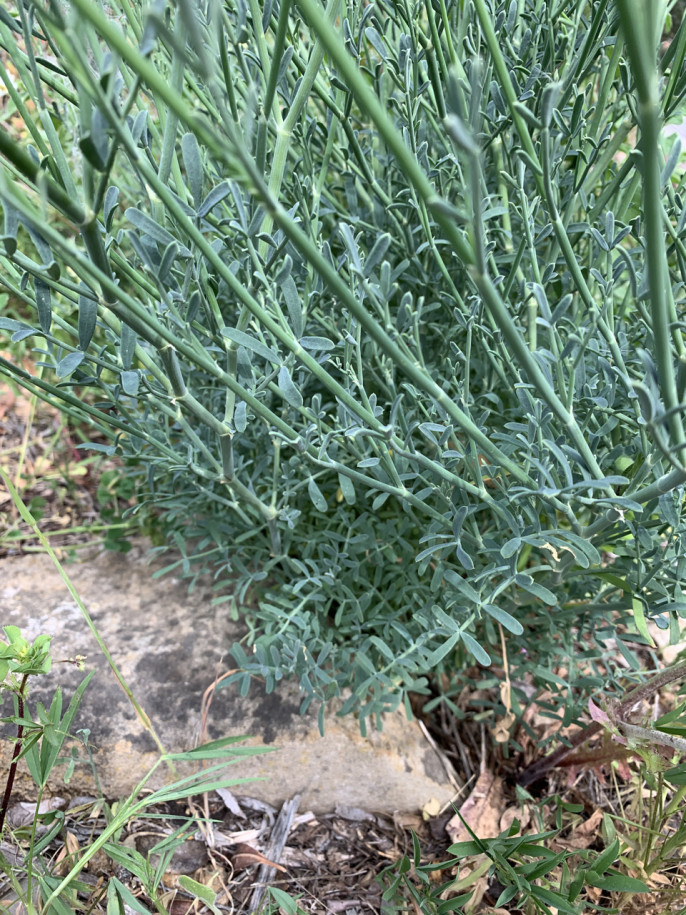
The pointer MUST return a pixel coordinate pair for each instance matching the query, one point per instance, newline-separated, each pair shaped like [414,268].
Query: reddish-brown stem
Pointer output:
[643,691]
[15,753]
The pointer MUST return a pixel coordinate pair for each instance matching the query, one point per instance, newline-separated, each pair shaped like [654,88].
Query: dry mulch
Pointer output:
[238,847]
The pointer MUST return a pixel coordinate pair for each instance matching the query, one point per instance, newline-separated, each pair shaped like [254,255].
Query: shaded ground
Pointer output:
[42,461]
[330,863]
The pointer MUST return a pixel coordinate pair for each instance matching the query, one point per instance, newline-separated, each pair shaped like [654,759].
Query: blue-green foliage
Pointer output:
[387,479]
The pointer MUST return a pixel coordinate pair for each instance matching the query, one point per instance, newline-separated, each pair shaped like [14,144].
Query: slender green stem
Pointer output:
[284,131]
[639,30]
[56,195]
[641,692]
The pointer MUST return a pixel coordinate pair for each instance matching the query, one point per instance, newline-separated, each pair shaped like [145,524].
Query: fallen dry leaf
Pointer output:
[227,839]
[594,893]
[23,812]
[656,880]
[478,889]
[67,855]
[181,906]
[503,727]
[624,770]
[247,856]
[523,814]
[231,803]
[584,835]
[481,811]
[431,809]
[7,400]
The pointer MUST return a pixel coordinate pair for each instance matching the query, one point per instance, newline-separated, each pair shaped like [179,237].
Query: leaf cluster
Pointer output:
[529,873]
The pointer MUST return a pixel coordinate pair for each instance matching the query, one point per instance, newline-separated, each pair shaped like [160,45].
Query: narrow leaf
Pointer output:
[617,883]
[460,135]
[44,252]
[511,547]
[127,345]
[97,446]
[640,620]
[54,749]
[376,42]
[436,656]
[15,326]
[240,416]
[533,587]
[288,389]
[316,495]
[216,749]
[88,316]
[11,222]
[293,305]
[607,858]
[215,196]
[43,304]
[148,226]
[70,362]
[93,151]
[379,248]
[250,343]
[109,206]
[475,649]
[127,897]
[347,488]
[170,254]
[677,775]
[285,902]
[671,163]
[203,893]
[190,151]
[379,501]
[504,618]
[462,585]
[317,343]
[130,382]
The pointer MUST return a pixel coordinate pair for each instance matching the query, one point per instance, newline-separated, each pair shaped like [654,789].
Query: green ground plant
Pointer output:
[531,875]
[38,882]
[27,861]
[382,309]
[642,833]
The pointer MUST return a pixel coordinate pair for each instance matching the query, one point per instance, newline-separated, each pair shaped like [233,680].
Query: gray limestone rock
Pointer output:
[171,646]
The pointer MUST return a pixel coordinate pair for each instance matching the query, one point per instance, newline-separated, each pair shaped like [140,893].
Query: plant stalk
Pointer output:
[11,775]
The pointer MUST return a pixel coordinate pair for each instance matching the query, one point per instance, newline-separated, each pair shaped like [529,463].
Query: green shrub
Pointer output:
[381,308]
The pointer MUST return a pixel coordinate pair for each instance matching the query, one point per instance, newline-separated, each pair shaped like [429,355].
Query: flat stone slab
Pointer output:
[170,647]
